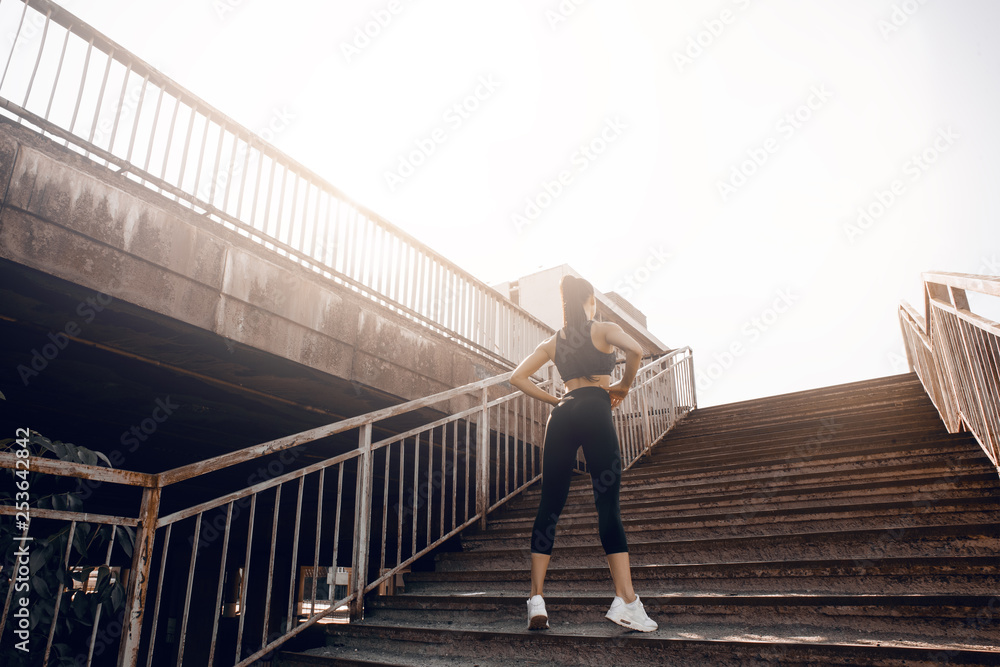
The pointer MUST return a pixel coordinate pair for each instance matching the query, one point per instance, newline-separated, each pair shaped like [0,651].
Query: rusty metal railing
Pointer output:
[956,355]
[374,509]
[77,86]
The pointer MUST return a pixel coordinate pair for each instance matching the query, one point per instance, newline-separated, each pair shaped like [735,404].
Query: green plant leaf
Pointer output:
[126,539]
[104,458]
[2,397]
[87,456]
[103,577]
[117,596]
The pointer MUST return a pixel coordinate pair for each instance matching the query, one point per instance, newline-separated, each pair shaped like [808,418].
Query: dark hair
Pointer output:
[575,292]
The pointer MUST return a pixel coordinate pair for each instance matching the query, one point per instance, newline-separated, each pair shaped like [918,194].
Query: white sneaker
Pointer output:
[632,615]
[537,618]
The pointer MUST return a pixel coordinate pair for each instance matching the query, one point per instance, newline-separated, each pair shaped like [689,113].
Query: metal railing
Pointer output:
[75,85]
[956,355]
[374,508]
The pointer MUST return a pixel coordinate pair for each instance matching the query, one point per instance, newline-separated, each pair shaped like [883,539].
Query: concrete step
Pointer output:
[977,575]
[853,617]
[601,644]
[581,529]
[666,485]
[917,489]
[956,541]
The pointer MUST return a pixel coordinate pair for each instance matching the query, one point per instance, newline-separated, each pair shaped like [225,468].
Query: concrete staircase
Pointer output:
[835,526]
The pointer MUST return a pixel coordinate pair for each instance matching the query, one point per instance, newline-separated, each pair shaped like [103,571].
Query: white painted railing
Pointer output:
[373,509]
[73,84]
[956,354]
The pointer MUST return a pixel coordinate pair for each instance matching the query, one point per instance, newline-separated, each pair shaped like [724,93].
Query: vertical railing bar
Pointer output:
[270,566]
[295,556]
[430,477]
[10,56]
[315,235]
[222,578]
[135,122]
[454,476]
[399,503]
[100,605]
[319,532]
[336,519]
[59,593]
[170,137]
[214,180]
[444,461]
[243,174]
[267,201]
[291,215]
[482,460]
[152,130]
[413,496]
[230,171]
[311,248]
[187,141]
[518,442]
[245,579]
[465,495]
[190,587]
[203,147]
[159,594]
[55,83]
[322,196]
[362,521]
[100,97]
[385,509]
[83,83]
[118,110]
[31,82]
[256,189]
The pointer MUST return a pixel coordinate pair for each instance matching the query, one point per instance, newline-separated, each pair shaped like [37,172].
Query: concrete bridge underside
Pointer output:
[114,299]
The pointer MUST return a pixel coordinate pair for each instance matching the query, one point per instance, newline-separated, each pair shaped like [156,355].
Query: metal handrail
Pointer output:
[497,439]
[956,355]
[204,159]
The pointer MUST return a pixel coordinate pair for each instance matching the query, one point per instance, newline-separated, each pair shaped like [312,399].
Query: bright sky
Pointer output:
[738,137]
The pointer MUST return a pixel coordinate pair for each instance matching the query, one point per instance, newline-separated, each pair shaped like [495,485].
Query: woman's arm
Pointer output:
[616,336]
[521,378]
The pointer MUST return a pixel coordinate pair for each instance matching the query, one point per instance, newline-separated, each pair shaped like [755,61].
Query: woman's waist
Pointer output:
[601,382]
[588,391]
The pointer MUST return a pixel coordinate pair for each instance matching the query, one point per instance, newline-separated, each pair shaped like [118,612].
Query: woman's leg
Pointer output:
[558,455]
[621,572]
[600,443]
[539,566]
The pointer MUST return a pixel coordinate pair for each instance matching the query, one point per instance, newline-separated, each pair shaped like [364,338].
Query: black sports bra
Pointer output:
[577,357]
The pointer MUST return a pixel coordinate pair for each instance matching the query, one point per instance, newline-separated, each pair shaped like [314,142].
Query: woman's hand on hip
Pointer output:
[618,392]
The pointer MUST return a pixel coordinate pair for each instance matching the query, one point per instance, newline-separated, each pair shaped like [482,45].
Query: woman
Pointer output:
[583,352]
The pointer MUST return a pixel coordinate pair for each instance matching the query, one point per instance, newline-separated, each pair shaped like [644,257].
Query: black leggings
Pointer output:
[582,418]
